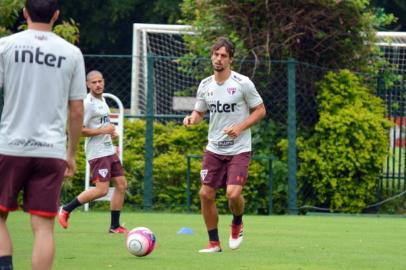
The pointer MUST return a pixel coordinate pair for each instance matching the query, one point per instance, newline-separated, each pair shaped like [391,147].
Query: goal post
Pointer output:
[156,40]
[393,46]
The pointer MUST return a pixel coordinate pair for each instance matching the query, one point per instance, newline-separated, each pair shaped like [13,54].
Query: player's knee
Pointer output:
[206,195]
[233,195]
[122,186]
[102,191]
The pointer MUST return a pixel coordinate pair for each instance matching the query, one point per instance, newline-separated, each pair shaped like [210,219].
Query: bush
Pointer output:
[341,162]
[172,142]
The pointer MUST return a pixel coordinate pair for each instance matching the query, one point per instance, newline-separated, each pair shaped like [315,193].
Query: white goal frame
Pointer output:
[391,39]
[140,53]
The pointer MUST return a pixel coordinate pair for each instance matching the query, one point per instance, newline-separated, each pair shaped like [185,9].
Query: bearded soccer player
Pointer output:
[105,164]
[234,106]
[42,77]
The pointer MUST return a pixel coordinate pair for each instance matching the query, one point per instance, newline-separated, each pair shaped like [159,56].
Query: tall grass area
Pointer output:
[271,242]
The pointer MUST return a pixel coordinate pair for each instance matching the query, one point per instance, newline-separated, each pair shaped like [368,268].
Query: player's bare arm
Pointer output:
[74,129]
[91,132]
[194,118]
[257,113]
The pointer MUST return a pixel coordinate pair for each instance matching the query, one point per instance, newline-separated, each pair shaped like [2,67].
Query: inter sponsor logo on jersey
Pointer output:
[219,107]
[27,54]
[103,172]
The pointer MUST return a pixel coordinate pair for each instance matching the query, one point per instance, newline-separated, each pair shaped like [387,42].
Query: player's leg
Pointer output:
[210,215]
[235,200]
[117,200]
[6,247]
[100,190]
[41,199]
[44,245]
[100,177]
[212,177]
[237,176]
[13,172]
[116,204]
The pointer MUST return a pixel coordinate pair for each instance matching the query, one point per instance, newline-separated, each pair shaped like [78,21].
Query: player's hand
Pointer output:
[70,167]
[233,131]
[187,121]
[110,129]
[114,135]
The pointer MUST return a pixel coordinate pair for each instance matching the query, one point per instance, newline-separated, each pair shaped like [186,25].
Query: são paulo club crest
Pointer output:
[231,90]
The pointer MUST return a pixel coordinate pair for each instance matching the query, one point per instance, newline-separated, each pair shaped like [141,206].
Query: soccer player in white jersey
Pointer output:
[42,77]
[104,163]
[234,105]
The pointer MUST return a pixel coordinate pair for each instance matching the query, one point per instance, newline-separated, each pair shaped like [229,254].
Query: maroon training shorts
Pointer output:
[39,178]
[221,170]
[104,168]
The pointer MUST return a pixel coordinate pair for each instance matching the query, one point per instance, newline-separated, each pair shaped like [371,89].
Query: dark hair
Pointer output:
[223,42]
[41,11]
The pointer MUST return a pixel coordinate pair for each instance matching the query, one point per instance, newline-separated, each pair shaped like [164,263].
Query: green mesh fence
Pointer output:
[156,145]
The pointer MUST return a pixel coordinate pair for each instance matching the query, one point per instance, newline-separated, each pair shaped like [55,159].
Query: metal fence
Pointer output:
[289,92]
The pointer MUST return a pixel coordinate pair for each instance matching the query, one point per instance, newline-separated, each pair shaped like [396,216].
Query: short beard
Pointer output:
[220,69]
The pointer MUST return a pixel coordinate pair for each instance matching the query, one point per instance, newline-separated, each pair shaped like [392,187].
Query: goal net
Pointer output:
[393,46]
[162,45]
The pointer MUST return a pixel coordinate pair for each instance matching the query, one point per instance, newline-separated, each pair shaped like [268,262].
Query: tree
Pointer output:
[9,12]
[10,20]
[329,33]
[107,29]
[398,8]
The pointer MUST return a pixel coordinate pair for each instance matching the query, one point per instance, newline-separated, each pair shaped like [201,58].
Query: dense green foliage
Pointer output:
[108,28]
[329,33]
[10,10]
[172,142]
[398,8]
[341,161]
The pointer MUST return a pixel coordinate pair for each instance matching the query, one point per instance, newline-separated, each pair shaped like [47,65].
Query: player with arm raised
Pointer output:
[42,77]
[234,105]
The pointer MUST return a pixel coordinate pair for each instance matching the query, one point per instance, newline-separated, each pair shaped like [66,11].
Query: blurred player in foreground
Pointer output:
[42,77]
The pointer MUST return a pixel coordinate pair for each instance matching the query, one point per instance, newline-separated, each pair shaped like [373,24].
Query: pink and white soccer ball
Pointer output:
[140,241]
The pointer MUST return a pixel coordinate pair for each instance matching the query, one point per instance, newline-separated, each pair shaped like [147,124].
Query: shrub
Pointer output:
[341,162]
[172,142]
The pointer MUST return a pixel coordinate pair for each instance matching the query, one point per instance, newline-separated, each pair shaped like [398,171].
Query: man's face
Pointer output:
[221,60]
[96,84]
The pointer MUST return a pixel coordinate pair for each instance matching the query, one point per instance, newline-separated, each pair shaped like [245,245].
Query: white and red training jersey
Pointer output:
[97,115]
[39,73]
[229,104]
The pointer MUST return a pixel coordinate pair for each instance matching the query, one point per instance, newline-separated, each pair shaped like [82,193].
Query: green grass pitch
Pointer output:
[270,242]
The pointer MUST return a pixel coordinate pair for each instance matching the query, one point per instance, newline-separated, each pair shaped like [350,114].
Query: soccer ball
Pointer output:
[140,241]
